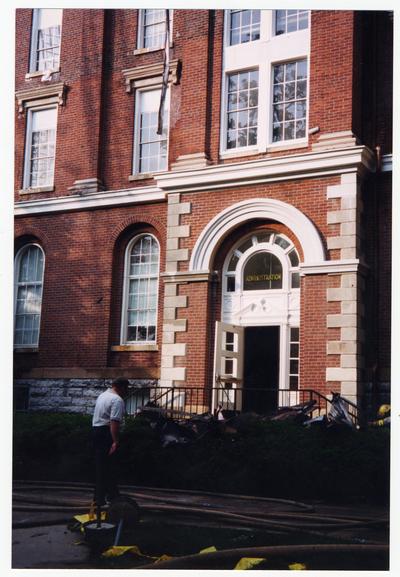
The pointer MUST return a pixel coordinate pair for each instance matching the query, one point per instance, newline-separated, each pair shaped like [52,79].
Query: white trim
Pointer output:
[109,198]
[331,267]
[277,169]
[282,168]
[124,312]
[231,217]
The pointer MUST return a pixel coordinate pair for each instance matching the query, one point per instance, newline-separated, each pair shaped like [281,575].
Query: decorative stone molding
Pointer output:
[133,76]
[172,300]
[109,198]
[349,294]
[190,161]
[272,169]
[244,211]
[53,93]
[332,140]
[86,186]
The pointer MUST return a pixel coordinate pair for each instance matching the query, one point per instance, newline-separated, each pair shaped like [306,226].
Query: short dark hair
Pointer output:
[121,383]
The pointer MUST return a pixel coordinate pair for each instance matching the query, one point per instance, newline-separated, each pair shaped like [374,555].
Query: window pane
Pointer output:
[29,277]
[287,21]
[289,101]
[262,271]
[294,259]
[244,26]
[142,289]
[242,109]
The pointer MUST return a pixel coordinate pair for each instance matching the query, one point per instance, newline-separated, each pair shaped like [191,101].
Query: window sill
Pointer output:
[239,152]
[287,146]
[137,347]
[138,51]
[38,73]
[36,190]
[21,350]
[144,175]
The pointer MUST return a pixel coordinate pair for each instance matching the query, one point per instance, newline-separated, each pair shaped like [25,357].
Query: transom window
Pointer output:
[151,148]
[289,100]
[142,269]
[290,21]
[153,28]
[46,38]
[242,109]
[29,271]
[257,264]
[244,26]
[40,147]
[263,271]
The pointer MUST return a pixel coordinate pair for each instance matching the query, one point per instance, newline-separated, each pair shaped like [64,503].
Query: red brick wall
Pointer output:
[83,287]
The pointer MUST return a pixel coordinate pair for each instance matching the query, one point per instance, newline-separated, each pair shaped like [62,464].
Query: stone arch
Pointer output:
[256,208]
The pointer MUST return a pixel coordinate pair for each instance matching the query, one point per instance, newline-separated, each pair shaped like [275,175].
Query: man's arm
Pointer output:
[114,430]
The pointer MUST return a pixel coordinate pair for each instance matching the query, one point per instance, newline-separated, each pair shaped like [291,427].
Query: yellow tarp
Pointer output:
[211,549]
[297,566]
[88,517]
[248,563]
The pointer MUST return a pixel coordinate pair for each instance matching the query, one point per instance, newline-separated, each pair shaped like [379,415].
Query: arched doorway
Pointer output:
[257,340]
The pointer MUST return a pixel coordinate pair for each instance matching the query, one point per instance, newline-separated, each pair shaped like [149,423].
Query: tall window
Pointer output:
[242,109]
[290,21]
[289,100]
[153,28]
[150,148]
[244,26]
[141,290]
[29,268]
[46,38]
[40,147]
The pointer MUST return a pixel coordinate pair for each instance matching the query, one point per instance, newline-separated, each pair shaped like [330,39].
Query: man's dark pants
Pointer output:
[106,466]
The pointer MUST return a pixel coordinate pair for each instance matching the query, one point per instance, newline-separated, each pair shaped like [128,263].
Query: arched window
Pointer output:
[29,269]
[263,261]
[141,290]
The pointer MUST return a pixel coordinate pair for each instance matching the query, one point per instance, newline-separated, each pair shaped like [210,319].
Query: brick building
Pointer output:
[248,245]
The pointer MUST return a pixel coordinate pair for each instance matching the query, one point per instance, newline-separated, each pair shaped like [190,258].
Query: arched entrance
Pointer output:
[258,309]
[260,322]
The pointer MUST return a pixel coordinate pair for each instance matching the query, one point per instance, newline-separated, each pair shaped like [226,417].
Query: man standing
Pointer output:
[108,415]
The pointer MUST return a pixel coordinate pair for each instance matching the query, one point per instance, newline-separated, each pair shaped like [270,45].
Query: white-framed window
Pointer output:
[45,39]
[40,147]
[29,271]
[244,26]
[150,148]
[242,109]
[287,21]
[142,263]
[289,107]
[278,124]
[152,28]
[263,261]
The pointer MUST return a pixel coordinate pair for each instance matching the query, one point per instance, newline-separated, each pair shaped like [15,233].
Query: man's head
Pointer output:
[120,385]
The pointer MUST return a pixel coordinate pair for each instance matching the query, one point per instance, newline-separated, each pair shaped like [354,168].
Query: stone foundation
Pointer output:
[64,395]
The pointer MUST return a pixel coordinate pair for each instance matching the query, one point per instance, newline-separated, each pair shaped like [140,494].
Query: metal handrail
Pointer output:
[197,400]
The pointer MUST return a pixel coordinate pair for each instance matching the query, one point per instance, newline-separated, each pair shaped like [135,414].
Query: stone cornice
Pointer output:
[187,276]
[295,166]
[334,267]
[75,202]
[32,96]
[131,75]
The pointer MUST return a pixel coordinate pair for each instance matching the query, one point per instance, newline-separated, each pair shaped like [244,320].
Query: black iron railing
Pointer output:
[187,401]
